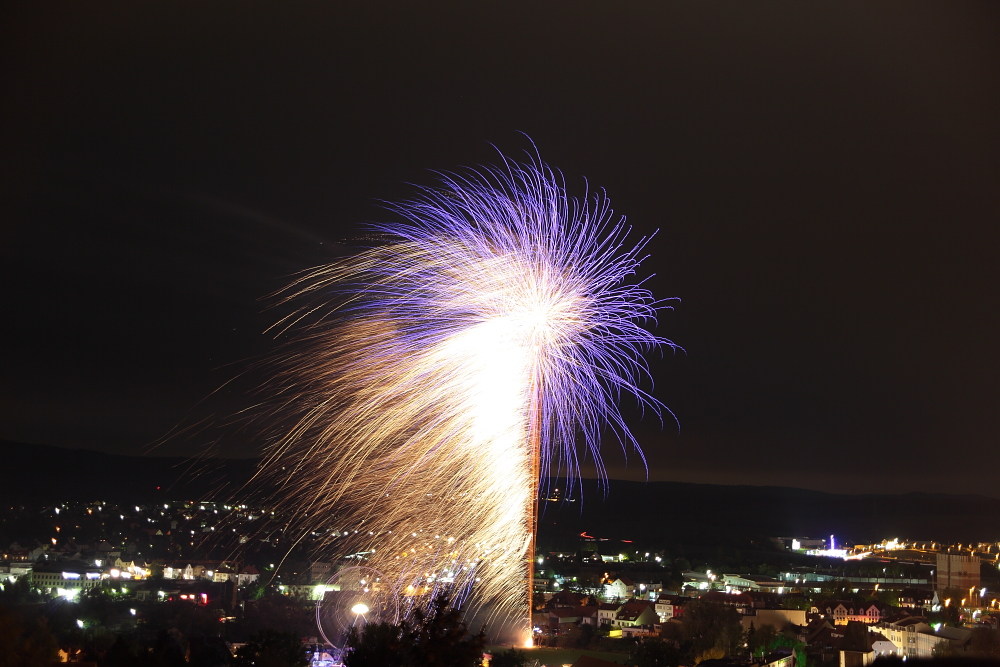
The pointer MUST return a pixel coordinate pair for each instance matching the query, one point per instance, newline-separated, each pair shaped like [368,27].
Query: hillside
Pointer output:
[707,513]
[42,473]
[637,511]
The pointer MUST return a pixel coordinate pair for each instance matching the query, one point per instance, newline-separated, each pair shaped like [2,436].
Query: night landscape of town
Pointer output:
[500,334]
[199,581]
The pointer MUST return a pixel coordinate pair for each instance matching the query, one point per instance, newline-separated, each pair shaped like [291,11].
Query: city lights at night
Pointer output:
[322,338]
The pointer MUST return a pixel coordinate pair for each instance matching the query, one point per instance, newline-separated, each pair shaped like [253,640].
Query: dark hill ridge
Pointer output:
[42,473]
[692,512]
[638,511]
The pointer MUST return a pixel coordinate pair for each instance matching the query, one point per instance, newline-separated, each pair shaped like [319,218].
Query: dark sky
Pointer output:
[824,178]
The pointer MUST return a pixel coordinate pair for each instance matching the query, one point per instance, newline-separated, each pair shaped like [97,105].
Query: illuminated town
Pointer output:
[499,334]
[118,569]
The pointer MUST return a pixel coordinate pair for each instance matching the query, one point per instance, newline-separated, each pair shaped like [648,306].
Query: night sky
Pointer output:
[824,178]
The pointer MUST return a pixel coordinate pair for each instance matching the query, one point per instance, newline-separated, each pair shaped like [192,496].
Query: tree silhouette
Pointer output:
[435,638]
[25,642]
[655,652]
[711,625]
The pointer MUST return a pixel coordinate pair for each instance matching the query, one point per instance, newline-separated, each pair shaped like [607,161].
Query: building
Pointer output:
[13,571]
[248,575]
[621,588]
[566,599]
[606,613]
[320,572]
[778,660]
[636,613]
[127,569]
[670,606]
[741,602]
[799,543]
[213,570]
[65,579]
[856,646]
[18,554]
[649,589]
[957,571]
[561,619]
[914,638]
[842,612]
[768,584]
[777,618]
[734,582]
[905,634]
[915,598]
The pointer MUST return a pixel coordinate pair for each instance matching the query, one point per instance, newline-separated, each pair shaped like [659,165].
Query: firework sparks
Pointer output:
[432,377]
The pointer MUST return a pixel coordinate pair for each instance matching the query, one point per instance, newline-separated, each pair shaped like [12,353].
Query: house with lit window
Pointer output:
[843,611]
[915,598]
[914,638]
[620,588]
[741,602]
[635,613]
[648,589]
[668,606]
[64,579]
[606,613]
[735,582]
[762,583]
[248,575]
[213,570]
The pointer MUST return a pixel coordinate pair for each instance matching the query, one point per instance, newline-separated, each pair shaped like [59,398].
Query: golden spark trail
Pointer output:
[532,527]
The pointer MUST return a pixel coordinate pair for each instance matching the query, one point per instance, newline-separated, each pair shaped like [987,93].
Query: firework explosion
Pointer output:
[433,377]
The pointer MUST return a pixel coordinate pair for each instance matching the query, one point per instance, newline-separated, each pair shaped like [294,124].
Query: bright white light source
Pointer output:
[360,609]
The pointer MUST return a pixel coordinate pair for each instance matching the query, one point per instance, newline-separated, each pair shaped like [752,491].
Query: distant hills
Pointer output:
[636,511]
[42,473]
[709,513]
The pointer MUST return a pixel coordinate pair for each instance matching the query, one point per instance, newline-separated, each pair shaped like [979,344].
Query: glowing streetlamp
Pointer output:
[359,610]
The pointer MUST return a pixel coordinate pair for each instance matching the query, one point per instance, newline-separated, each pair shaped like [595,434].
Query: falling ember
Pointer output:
[434,378]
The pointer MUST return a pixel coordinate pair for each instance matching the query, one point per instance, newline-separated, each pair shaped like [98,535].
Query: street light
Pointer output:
[360,609]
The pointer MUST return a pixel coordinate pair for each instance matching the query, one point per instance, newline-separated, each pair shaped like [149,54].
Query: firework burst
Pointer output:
[433,377]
